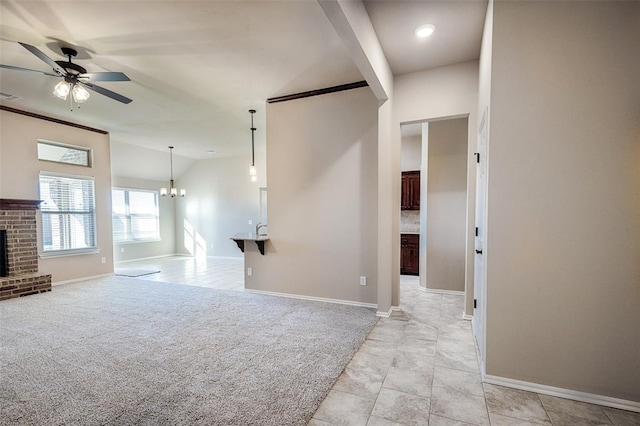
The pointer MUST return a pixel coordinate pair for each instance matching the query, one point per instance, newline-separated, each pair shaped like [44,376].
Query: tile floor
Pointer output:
[221,273]
[418,367]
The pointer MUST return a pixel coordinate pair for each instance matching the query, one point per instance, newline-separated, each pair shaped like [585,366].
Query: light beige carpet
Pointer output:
[127,351]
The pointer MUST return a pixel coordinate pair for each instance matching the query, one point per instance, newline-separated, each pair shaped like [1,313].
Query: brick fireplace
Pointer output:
[19,256]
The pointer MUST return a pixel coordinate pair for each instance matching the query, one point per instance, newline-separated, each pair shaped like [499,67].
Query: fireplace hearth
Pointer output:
[19,251]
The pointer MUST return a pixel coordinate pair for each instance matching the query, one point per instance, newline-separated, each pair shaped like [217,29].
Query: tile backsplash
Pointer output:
[410,221]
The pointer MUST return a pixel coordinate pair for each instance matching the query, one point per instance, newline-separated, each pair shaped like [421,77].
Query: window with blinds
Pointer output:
[68,214]
[136,215]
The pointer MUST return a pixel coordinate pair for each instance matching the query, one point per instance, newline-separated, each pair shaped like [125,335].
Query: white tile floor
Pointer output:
[418,367]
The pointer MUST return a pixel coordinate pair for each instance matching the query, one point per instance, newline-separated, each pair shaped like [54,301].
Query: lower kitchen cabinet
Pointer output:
[409,254]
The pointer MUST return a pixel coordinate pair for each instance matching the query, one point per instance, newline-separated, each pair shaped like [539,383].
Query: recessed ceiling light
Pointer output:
[425,30]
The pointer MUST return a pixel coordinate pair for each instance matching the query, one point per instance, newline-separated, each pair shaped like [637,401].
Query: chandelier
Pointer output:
[172,191]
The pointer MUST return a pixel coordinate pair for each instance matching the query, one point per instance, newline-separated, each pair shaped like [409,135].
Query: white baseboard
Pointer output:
[422,289]
[383,314]
[316,299]
[467,317]
[75,280]
[454,292]
[387,314]
[227,257]
[144,258]
[591,398]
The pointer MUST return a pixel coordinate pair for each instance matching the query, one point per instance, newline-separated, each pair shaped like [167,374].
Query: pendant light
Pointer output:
[172,190]
[253,173]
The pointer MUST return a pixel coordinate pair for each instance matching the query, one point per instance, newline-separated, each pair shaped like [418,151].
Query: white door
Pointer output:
[479,302]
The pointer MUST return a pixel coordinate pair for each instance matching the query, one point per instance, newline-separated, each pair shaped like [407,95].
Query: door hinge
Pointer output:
[476,231]
[475,303]
[477,155]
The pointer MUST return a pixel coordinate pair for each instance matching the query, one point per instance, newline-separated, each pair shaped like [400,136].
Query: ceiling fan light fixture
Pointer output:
[425,30]
[62,90]
[79,93]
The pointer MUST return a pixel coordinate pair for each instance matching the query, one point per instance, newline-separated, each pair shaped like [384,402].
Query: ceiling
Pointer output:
[457,38]
[197,67]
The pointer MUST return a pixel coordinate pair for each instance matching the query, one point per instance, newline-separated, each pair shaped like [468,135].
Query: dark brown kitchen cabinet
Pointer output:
[410,191]
[409,254]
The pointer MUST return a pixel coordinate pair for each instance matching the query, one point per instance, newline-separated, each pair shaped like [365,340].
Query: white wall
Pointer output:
[124,251]
[220,201]
[19,178]
[563,235]
[447,203]
[450,91]
[322,203]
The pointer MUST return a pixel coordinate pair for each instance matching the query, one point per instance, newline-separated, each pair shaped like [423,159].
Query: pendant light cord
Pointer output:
[253,129]
[171,160]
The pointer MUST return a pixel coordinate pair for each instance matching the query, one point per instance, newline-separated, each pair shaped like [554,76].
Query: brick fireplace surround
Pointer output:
[18,218]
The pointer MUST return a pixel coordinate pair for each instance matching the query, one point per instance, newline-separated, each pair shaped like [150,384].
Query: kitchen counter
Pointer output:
[259,239]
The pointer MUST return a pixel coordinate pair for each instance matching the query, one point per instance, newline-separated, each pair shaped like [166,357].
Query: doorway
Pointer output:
[439,151]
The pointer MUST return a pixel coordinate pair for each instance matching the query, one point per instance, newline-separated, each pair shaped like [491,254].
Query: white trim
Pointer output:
[467,317]
[422,288]
[316,299]
[69,252]
[395,308]
[144,258]
[454,292]
[75,280]
[590,398]
[384,314]
[127,242]
[227,257]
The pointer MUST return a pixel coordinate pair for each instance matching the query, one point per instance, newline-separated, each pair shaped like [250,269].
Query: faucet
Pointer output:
[259,225]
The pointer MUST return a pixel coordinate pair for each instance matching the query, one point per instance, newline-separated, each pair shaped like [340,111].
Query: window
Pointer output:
[135,215]
[61,153]
[68,214]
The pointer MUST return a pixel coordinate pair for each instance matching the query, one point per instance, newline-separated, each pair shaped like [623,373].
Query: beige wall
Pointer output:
[19,172]
[450,91]
[563,241]
[411,153]
[125,251]
[322,173]
[447,203]
[220,201]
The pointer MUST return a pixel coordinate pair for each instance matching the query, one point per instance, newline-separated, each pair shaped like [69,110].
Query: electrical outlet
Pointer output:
[363,280]
[121,249]
[249,271]
[103,260]
[250,222]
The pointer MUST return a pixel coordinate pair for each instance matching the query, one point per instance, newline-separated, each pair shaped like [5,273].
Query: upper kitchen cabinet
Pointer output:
[410,191]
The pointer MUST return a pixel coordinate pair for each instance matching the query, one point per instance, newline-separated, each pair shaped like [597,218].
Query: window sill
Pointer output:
[67,253]
[153,240]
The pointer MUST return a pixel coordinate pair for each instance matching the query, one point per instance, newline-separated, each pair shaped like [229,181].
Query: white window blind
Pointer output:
[68,214]
[135,215]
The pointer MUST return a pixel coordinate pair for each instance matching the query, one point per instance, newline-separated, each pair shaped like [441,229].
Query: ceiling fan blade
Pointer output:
[11,67]
[105,76]
[106,92]
[57,68]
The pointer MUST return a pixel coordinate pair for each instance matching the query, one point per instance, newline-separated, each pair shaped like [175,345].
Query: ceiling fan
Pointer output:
[76,78]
